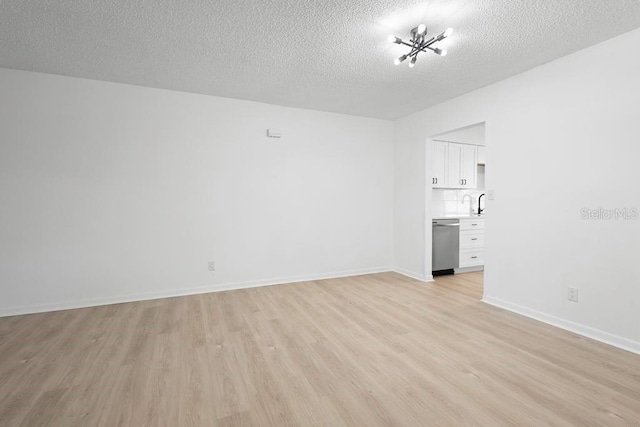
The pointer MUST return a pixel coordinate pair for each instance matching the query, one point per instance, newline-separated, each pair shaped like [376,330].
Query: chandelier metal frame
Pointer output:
[420,43]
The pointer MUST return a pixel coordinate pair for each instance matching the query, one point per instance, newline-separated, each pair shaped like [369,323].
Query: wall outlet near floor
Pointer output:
[212,266]
[572,294]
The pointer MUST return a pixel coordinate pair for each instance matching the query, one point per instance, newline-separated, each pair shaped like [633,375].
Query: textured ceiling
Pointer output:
[323,55]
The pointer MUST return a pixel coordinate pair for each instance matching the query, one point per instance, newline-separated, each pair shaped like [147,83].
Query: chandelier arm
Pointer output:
[431,41]
[414,51]
[424,49]
[414,46]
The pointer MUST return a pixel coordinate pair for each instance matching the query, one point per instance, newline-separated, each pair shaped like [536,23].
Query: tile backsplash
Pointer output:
[450,202]
[447,202]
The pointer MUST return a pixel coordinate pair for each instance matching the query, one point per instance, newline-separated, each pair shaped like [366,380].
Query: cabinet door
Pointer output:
[439,164]
[453,166]
[468,165]
[471,258]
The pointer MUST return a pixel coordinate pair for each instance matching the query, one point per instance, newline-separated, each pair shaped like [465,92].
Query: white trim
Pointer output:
[412,275]
[466,127]
[586,331]
[92,302]
[468,269]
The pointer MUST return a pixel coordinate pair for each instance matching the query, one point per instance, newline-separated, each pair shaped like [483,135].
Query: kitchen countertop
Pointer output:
[460,217]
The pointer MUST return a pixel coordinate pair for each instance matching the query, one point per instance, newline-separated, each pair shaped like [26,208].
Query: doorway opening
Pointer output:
[456,206]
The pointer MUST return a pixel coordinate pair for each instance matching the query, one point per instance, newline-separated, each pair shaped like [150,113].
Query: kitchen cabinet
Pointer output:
[439,164]
[468,165]
[471,243]
[454,165]
[462,165]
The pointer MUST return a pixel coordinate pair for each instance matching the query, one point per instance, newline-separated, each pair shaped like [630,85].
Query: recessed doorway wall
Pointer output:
[456,199]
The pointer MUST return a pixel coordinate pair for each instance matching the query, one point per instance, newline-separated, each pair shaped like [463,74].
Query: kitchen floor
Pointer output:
[370,350]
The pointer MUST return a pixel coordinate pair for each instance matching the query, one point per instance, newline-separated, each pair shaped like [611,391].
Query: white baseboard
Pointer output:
[93,302]
[411,274]
[468,269]
[586,331]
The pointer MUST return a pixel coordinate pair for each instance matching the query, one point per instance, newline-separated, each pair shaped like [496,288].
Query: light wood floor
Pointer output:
[365,351]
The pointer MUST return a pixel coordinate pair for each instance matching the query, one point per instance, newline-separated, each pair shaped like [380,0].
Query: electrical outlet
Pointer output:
[212,266]
[573,294]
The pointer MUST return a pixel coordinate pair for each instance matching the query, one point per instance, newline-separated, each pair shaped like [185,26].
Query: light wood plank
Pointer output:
[374,350]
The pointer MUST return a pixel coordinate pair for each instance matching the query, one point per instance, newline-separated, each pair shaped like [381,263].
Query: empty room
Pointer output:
[365,213]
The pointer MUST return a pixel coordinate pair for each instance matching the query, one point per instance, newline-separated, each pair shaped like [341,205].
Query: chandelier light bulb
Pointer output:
[399,60]
[422,28]
[392,38]
[441,52]
[413,61]
[448,32]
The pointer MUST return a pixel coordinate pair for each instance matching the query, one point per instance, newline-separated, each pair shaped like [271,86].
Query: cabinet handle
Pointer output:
[473,225]
[436,180]
[474,257]
[475,238]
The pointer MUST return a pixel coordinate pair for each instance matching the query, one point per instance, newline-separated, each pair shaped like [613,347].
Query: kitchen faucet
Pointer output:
[470,203]
[479,199]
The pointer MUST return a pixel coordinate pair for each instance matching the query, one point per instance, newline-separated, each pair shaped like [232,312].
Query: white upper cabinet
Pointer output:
[461,166]
[468,166]
[454,165]
[439,164]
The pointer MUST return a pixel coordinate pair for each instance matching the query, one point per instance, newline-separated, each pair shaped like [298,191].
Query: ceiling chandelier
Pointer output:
[420,43]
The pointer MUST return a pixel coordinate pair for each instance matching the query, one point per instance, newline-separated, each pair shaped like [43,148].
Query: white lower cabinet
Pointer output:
[471,243]
[472,239]
[471,258]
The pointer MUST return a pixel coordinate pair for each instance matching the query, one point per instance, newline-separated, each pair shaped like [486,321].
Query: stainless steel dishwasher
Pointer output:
[445,253]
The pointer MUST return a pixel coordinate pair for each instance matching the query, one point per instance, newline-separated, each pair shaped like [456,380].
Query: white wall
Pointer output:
[560,137]
[112,192]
